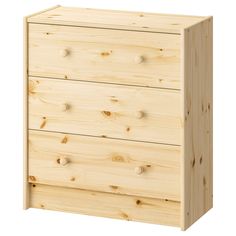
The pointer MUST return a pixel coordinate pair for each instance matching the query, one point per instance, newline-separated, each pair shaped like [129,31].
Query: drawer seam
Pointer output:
[105,28]
[95,136]
[86,190]
[96,82]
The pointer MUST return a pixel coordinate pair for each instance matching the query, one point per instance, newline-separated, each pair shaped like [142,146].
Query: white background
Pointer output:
[15,221]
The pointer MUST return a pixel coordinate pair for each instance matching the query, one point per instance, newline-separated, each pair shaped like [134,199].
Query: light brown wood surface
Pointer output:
[99,55]
[25,117]
[197,160]
[118,114]
[36,14]
[105,204]
[104,164]
[26,193]
[136,21]
[105,110]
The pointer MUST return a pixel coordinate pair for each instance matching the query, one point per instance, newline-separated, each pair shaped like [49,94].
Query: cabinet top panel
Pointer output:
[123,20]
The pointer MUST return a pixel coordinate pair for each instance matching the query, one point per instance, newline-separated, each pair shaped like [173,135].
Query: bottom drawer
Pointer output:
[105,204]
[107,165]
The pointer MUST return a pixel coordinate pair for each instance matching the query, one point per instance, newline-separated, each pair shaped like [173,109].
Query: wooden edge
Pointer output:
[210,18]
[182,159]
[197,23]
[183,167]
[108,26]
[25,117]
[105,27]
[135,12]
[40,12]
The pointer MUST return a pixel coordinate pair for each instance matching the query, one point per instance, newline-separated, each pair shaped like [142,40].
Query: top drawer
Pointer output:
[102,55]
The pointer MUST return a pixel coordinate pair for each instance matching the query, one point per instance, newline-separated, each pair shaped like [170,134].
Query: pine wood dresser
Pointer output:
[118,114]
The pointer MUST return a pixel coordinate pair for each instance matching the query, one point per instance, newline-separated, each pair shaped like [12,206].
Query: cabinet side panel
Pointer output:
[197,138]
[25,117]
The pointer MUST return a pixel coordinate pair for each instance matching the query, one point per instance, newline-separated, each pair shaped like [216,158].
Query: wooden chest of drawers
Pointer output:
[118,114]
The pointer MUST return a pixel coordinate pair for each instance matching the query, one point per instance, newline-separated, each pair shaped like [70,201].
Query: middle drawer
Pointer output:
[105,110]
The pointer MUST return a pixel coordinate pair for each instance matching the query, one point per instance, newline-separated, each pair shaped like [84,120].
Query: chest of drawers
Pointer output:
[118,114]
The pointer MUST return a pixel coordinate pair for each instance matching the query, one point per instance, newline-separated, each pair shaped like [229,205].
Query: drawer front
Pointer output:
[109,165]
[124,207]
[116,111]
[100,55]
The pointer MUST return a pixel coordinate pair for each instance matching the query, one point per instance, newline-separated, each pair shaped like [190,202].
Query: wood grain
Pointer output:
[105,110]
[26,193]
[104,164]
[25,117]
[36,14]
[139,21]
[104,55]
[118,114]
[197,144]
[105,204]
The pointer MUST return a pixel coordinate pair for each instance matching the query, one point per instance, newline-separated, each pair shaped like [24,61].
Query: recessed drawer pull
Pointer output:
[64,52]
[62,161]
[139,170]
[139,114]
[138,59]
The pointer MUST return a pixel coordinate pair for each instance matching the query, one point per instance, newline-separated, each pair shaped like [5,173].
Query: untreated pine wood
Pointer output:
[26,194]
[25,117]
[109,165]
[118,114]
[117,206]
[136,21]
[99,55]
[105,110]
[39,13]
[197,111]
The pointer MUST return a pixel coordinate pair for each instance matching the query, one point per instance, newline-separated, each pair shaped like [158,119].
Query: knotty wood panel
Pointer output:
[104,164]
[26,193]
[105,204]
[197,153]
[125,112]
[99,55]
[152,22]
